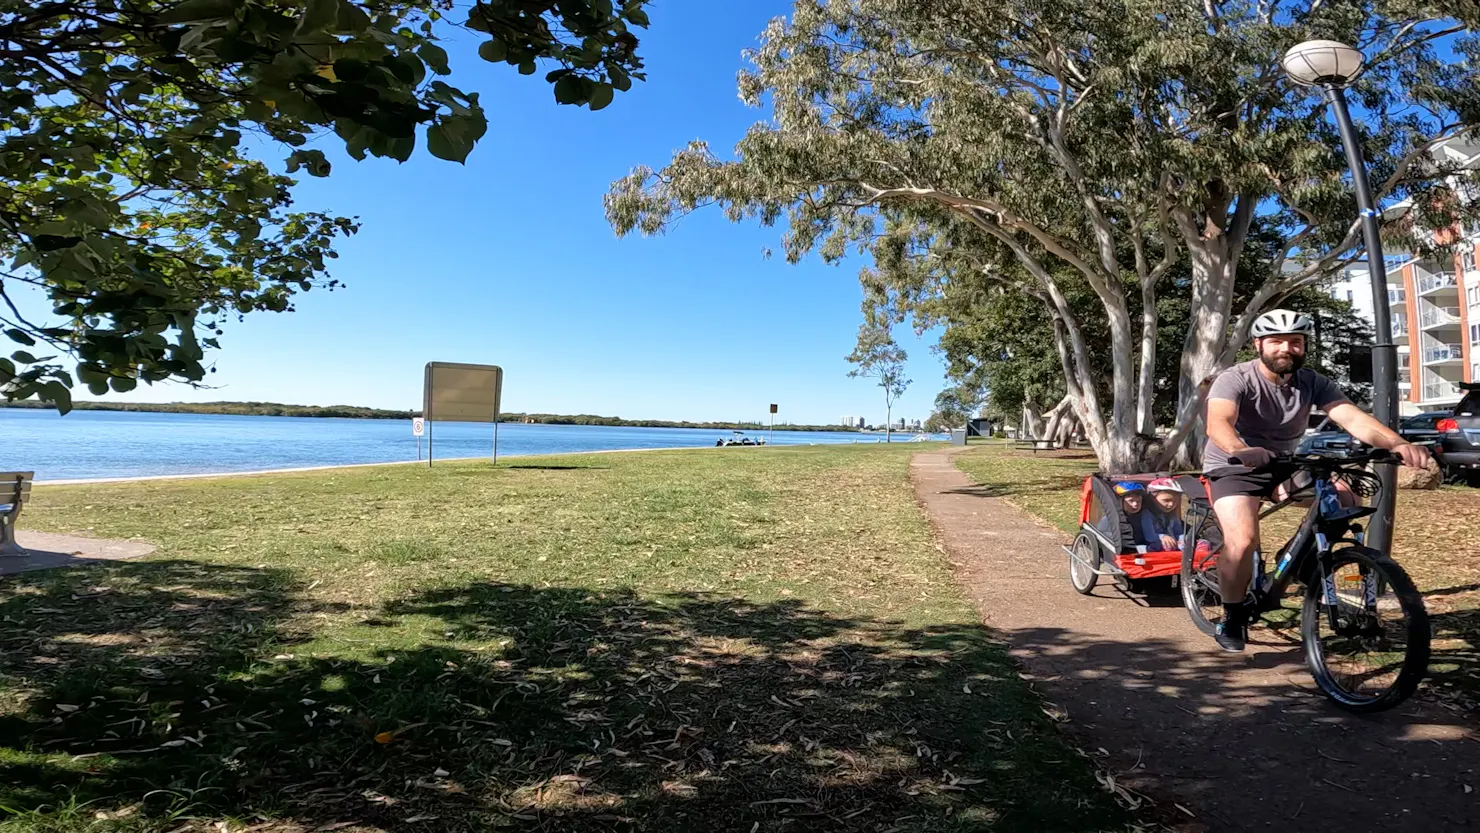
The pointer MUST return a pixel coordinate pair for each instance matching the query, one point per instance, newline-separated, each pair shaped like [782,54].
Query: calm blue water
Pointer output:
[87,444]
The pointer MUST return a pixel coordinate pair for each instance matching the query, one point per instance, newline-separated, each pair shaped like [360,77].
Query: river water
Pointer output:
[92,444]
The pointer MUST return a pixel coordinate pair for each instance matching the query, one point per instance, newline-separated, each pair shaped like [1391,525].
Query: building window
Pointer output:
[1348,296]
[1396,296]
[1467,259]
[1473,295]
[1475,333]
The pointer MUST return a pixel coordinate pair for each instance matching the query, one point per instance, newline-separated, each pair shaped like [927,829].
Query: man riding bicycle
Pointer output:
[1255,410]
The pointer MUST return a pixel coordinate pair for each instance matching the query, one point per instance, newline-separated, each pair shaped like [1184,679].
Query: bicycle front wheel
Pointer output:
[1365,630]
[1199,582]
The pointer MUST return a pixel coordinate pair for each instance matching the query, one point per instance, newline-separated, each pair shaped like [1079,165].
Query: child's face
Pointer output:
[1131,502]
[1167,501]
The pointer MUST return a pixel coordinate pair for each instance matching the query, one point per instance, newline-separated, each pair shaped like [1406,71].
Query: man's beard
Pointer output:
[1284,365]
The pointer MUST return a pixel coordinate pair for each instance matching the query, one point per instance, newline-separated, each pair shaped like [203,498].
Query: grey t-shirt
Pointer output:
[1269,415]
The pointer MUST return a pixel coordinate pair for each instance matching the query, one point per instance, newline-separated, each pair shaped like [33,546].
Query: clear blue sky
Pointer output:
[509,260]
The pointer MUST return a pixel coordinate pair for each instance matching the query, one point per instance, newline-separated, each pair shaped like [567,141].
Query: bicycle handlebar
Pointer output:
[1376,455]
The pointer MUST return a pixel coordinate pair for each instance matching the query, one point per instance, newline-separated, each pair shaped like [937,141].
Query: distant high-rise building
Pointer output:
[1435,304]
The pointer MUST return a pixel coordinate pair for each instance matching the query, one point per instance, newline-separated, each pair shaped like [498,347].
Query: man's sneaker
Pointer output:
[1233,632]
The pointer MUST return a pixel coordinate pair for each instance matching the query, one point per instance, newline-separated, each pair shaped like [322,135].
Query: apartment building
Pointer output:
[1435,307]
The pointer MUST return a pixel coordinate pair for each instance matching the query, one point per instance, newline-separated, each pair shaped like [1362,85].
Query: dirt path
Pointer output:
[1243,741]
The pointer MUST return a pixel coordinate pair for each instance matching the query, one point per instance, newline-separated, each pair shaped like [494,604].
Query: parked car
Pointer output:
[1422,428]
[1328,438]
[1458,450]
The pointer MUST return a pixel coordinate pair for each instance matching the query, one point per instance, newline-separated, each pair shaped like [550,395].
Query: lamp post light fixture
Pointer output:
[1332,65]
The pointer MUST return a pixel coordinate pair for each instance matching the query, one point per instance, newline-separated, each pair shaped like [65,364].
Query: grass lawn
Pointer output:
[709,640]
[1436,539]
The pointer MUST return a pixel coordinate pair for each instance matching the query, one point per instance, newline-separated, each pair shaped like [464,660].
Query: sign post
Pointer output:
[418,428]
[462,393]
[772,438]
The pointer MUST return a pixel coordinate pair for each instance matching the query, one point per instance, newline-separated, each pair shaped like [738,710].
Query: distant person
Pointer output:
[1161,522]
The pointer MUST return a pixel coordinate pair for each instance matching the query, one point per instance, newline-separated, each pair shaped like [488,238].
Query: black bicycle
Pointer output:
[1362,622]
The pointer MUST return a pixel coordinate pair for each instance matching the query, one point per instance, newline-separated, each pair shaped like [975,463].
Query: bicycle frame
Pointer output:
[1325,523]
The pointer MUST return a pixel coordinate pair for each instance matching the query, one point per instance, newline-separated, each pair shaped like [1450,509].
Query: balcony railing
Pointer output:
[1439,316]
[1400,328]
[1440,390]
[1442,353]
[1435,280]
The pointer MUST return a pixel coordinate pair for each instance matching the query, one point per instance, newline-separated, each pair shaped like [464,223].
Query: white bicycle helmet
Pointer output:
[1280,322]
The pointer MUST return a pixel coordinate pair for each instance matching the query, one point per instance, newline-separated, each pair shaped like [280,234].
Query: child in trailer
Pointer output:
[1130,529]
[1161,522]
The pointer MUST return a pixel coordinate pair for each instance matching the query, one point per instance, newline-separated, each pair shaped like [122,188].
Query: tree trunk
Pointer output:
[1059,418]
[1032,421]
[1067,427]
[1146,381]
[1215,248]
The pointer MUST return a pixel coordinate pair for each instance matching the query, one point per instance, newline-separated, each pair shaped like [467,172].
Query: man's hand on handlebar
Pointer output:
[1415,456]
[1254,457]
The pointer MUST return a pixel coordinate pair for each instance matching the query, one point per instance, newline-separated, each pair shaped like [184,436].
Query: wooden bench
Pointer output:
[15,487]
[1037,445]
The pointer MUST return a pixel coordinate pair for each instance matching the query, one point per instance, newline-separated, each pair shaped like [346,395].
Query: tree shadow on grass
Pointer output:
[1037,486]
[543,467]
[492,705]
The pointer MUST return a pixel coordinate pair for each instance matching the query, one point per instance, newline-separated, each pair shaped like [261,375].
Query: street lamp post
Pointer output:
[1331,65]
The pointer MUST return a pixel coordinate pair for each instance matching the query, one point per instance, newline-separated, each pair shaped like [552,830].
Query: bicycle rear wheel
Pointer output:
[1365,630]
[1199,581]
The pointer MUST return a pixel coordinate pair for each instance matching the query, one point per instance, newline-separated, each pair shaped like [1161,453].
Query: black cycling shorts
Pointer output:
[1242,480]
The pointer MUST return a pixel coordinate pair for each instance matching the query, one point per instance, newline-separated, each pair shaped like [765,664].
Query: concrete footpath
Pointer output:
[1243,742]
[45,550]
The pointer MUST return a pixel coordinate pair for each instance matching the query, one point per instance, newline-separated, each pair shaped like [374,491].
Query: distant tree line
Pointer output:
[357,412]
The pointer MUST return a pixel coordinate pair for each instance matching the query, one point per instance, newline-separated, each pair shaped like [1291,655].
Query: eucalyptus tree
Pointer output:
[1096,143]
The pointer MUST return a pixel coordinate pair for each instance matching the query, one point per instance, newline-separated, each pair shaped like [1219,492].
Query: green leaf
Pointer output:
[191,11]
[493,51]
[527,68]
[571,89]
[400,148]
[444,141]
[638,17]
[20,337]
[352,18]
[319,15]
[435,57]
[98,387]
[601,95]
[123,384]
[53,242]
[24,357]
[312,159]
[58,394]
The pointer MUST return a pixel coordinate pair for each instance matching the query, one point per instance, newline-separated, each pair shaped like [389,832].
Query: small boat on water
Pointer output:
[738,438]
